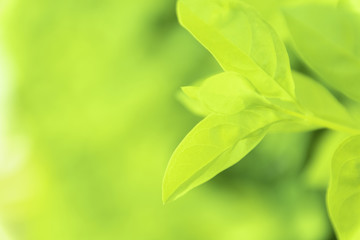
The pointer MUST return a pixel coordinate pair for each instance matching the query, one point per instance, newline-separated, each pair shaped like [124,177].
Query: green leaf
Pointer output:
[225,93]
[328,39]
[318,101]
[242,42]
[344,190]
[216,143]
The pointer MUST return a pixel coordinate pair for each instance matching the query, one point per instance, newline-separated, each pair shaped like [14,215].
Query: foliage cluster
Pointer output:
[260,92]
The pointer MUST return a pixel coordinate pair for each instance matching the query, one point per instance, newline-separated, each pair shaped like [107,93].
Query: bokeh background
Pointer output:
[89,116]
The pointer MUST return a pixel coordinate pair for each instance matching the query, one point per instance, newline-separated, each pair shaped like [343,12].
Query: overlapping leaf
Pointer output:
[255,92]
[225,93]
[241,42]
[318,101]
[317,106]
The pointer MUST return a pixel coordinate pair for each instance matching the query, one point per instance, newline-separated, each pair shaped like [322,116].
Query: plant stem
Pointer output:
[322,122]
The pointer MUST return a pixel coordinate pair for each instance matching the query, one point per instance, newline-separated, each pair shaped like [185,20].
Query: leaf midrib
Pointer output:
[214,159]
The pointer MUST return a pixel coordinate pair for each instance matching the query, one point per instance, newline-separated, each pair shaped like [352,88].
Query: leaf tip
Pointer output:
[169,192]
[166,196]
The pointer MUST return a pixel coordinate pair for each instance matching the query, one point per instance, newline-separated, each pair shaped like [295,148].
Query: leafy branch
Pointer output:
[259,93]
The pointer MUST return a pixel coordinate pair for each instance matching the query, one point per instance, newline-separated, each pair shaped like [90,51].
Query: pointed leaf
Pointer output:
[225,93]
[242,42]
[213,145]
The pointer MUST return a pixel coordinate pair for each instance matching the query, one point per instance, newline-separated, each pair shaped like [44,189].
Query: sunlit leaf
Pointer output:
[318,101]
[225,93]
[344,190]
[328,39]
[216,143]
[241,42]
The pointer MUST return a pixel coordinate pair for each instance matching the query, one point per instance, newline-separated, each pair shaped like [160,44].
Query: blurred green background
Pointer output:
[89,118]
